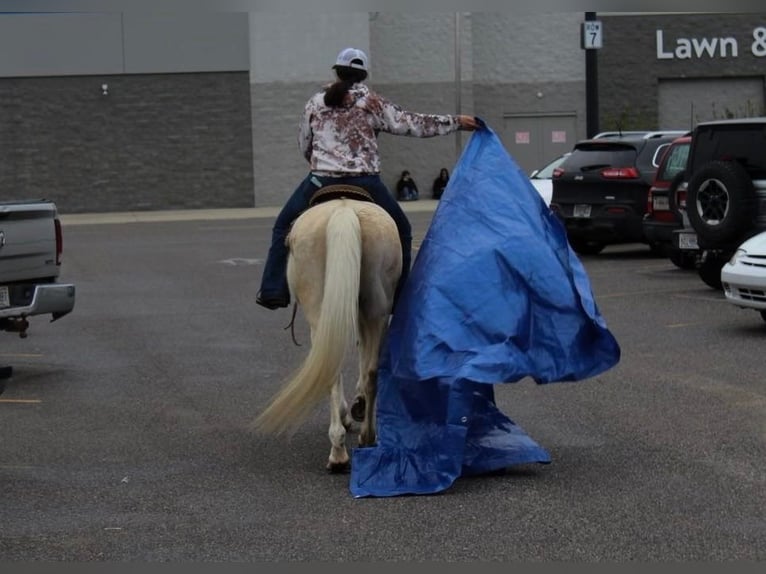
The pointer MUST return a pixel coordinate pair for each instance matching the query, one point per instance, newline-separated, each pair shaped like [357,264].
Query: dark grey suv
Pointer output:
[726,191]
[600,192]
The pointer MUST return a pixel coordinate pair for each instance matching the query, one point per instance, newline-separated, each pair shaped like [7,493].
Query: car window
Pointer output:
[547,171]
[651,155]
[744,143]
[675,162]
[598,156]
[658,153]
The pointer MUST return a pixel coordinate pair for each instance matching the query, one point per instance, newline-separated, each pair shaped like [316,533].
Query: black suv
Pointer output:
[600,191]
[725,191]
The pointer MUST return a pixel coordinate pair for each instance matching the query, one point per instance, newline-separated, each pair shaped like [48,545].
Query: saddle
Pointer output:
[339,191]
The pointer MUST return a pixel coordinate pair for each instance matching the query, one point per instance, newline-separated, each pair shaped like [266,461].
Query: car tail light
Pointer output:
[620,173]
[59,240]
[558,172]
[681,198]
[649,203]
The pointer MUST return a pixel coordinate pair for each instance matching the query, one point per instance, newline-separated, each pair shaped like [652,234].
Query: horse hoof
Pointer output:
[366,441]
[358,409]
[339,467]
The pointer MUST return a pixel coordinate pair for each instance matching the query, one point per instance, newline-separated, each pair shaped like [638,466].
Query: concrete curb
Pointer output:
[423,205]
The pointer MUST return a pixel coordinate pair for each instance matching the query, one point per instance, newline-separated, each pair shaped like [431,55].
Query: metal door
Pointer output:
[535,139]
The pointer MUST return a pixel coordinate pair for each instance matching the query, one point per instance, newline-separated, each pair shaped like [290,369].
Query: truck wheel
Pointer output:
[584,247]
[683,259]
[721,201]
[710,271]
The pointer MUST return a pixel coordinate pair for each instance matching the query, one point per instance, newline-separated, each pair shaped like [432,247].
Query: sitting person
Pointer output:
[437,189]
[338,137]
[406,189]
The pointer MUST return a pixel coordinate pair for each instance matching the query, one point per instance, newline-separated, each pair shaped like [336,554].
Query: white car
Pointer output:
[744,276]
[542,178]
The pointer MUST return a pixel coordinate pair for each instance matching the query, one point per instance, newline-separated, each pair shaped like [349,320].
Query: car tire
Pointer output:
[721,201]
[710,271]
[658,249]
[763,315]
[584,247]
[683,259]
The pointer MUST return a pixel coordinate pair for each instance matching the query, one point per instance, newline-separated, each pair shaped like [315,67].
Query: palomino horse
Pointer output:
[344,264]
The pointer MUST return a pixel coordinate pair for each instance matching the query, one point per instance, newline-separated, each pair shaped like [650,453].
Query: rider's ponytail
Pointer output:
[347,77]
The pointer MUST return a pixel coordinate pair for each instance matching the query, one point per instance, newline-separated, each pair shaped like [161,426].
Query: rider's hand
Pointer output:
[468,123]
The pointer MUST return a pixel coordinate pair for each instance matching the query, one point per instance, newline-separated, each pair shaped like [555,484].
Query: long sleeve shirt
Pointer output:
[343,140]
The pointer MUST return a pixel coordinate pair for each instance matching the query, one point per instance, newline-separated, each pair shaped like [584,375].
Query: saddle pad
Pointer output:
[339,191]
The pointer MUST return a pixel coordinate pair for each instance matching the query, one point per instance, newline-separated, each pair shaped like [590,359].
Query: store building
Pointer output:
[139,111]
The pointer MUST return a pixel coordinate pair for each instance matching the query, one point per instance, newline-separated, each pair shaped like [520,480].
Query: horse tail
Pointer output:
[335,331]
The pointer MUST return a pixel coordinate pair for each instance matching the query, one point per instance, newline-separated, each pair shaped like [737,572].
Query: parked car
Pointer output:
[744,277]
[644,134]
[30,263]
[726,192]
[600,191]
[542,178]
[662,216]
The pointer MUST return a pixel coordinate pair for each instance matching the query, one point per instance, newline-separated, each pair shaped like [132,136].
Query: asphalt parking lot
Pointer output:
[126,425]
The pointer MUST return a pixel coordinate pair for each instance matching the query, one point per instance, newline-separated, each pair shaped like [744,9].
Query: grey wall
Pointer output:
[60,44]
[200,101]
[519,56]
[629,70]
[414,66]
[173,130]
[291,58]
[166,141]
[114,43]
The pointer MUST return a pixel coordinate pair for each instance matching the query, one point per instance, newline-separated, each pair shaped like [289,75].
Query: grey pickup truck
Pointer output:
[30,263]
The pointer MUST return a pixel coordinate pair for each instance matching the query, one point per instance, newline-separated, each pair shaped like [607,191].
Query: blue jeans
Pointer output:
[274,279]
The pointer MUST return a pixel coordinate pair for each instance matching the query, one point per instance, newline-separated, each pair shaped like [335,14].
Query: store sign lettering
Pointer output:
[722,47]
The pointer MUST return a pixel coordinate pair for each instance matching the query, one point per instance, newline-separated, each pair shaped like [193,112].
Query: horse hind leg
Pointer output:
[339,459]
[359,406]
[367,434]
[372,336]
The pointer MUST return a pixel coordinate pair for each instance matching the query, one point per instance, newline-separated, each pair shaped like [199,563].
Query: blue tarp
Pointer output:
[495,295]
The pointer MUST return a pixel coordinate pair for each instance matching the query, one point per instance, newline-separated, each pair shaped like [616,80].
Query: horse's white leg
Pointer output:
[338,461]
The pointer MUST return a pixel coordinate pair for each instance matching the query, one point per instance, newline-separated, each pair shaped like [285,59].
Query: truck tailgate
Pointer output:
[27,241]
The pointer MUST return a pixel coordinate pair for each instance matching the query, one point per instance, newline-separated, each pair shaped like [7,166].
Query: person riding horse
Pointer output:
[338,137]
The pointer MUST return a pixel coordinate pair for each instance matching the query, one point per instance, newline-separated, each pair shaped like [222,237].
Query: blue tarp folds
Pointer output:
[495,295]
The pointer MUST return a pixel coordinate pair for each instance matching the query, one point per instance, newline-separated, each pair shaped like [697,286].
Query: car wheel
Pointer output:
[721,201]
[658,249]
[683,259]
[710,271]
[584,247]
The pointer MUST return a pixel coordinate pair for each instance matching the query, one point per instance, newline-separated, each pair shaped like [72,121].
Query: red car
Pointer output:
[662,216]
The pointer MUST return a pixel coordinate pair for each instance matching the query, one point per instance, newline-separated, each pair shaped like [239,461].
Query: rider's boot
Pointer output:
[274,292]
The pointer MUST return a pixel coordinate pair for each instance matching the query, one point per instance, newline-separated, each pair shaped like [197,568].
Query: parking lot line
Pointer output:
[21,401]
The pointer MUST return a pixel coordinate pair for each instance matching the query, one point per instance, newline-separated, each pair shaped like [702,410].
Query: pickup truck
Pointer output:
[30,263]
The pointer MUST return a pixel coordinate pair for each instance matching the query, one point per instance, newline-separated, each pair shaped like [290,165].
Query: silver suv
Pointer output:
[725,191]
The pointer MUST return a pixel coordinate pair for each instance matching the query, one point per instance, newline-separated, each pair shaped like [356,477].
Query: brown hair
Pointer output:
[347,77]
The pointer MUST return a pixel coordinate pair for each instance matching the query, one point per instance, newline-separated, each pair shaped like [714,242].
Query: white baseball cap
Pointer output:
[347,57]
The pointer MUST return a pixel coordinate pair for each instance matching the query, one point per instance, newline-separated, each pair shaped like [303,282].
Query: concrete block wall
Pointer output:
[165,141]
[629,70]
